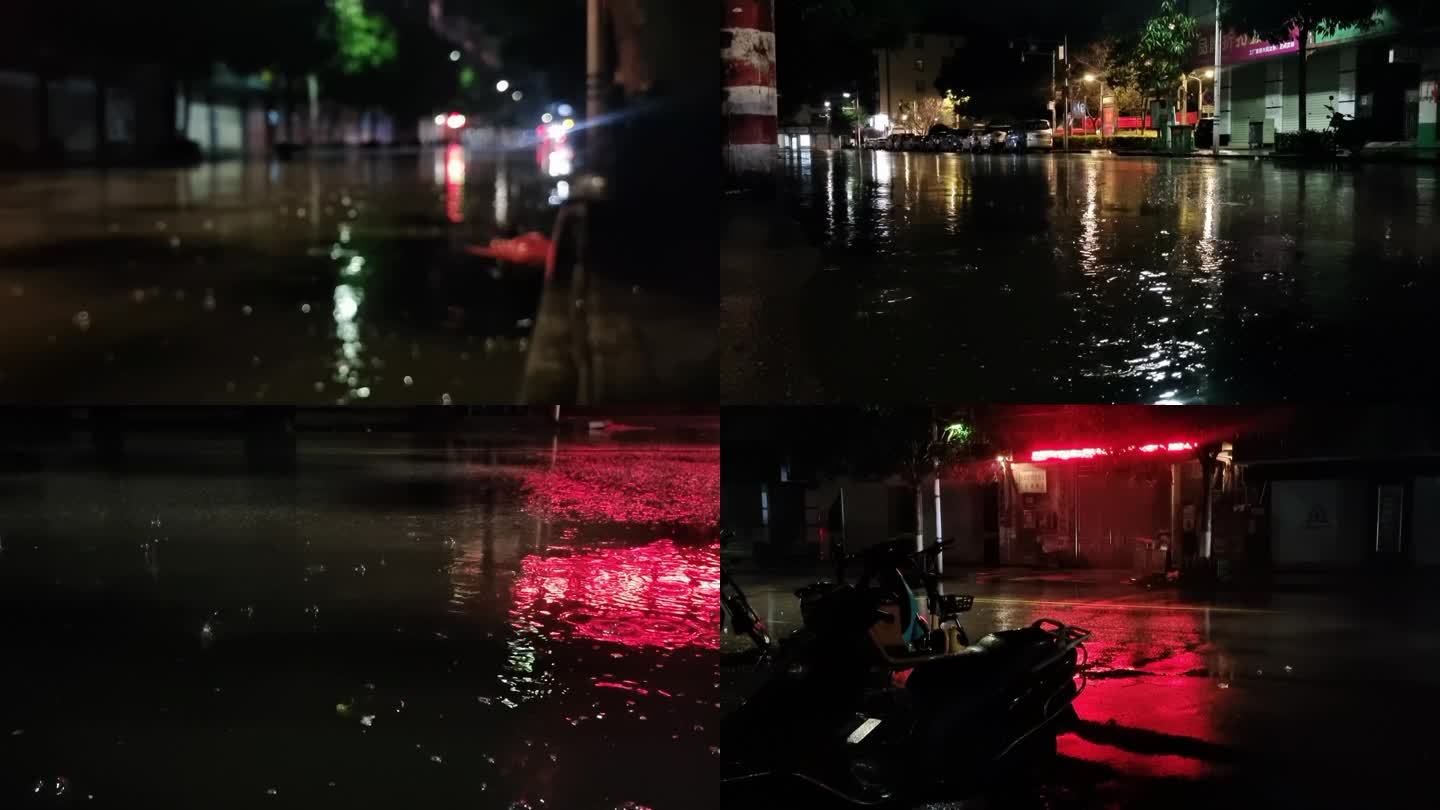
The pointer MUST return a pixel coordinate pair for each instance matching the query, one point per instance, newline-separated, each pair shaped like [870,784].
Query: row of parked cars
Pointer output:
[1021,136]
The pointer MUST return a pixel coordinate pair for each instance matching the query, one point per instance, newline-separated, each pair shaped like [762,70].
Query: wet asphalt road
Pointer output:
[336,280]
[1092,278]
[501,622]
[1288,700]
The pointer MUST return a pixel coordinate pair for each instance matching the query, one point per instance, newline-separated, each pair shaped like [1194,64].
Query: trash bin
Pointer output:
[1205,134]
[1257,134]
[1182,139]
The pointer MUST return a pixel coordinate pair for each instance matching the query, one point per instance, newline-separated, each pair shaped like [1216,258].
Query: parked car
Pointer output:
[899,141]
[994,139]
[942,138]
[943,142]
[877,143]
[1032,134]
[972,139]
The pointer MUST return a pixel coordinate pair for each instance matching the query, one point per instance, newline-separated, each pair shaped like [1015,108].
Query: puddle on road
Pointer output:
[1067,279]
[326,283]
[423,628]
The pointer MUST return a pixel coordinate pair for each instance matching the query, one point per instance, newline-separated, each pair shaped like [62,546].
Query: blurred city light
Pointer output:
[454,56]
[560,161]
[440,120]
[455,121]
[547,118]
[568,123]
[517,95]
[565,109]
[501,86]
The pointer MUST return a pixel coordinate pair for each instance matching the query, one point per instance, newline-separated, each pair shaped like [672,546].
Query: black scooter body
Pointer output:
[952,723]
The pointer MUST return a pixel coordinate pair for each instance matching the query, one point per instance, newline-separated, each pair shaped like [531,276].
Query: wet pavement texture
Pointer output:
[1091,278]
[1287,700]
[334,280]
[398,623]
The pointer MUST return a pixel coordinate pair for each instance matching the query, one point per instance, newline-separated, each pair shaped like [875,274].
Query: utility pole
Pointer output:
[594,78]
[750,105]
[939,535]
[1065,137]
[1052,90]
[1215,87]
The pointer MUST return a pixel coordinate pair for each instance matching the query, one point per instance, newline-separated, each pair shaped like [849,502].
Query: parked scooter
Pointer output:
[871,705]
[1347,131]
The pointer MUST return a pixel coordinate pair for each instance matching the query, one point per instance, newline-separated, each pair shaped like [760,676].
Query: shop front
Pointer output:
[1378,75]
[1138,506]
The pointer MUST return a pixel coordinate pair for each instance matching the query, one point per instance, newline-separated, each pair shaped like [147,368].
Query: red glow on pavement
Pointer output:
[627,686]
[657,485]
[1151,707]
[1093,452]
[455,183]
[657,595]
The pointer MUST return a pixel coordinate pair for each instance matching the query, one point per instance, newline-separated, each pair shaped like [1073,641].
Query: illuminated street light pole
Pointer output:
[1065,133]
[1215,88]
[1091,78]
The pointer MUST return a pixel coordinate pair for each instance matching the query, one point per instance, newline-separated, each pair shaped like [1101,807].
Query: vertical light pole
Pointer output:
[594,77]
[1065,54]
[1052,90]
[1091,78]
[750,105]
[1215,88]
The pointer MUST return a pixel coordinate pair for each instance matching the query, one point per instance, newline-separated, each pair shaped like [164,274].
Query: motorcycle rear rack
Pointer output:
[1068,633]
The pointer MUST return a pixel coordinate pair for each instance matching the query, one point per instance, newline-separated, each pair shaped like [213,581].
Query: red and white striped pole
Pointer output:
[748,55]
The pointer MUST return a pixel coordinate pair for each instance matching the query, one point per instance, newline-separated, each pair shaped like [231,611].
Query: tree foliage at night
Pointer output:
[363,41]
[1104,59]
[925,113]
[1156,56]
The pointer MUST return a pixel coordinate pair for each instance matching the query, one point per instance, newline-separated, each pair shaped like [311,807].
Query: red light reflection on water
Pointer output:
[1151,709]
[656,595]
[455,183]
[671,485]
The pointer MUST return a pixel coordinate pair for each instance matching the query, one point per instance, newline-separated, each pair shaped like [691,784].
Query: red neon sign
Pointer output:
[1094,452]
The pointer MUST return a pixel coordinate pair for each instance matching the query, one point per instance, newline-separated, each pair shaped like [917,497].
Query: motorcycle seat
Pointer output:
[981,670]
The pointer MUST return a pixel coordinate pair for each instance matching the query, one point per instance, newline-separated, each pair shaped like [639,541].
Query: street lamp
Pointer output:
[1199,90]
[1091,78]
[845,95]
[454,56]
[501,86]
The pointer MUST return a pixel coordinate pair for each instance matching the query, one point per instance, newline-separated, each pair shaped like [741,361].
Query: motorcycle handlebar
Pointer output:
[889,549]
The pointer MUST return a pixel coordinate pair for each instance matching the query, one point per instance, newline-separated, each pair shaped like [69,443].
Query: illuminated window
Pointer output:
[919,64]
[764,504]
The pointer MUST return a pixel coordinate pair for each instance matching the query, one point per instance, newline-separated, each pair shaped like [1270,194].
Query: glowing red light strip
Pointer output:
[1092,452]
